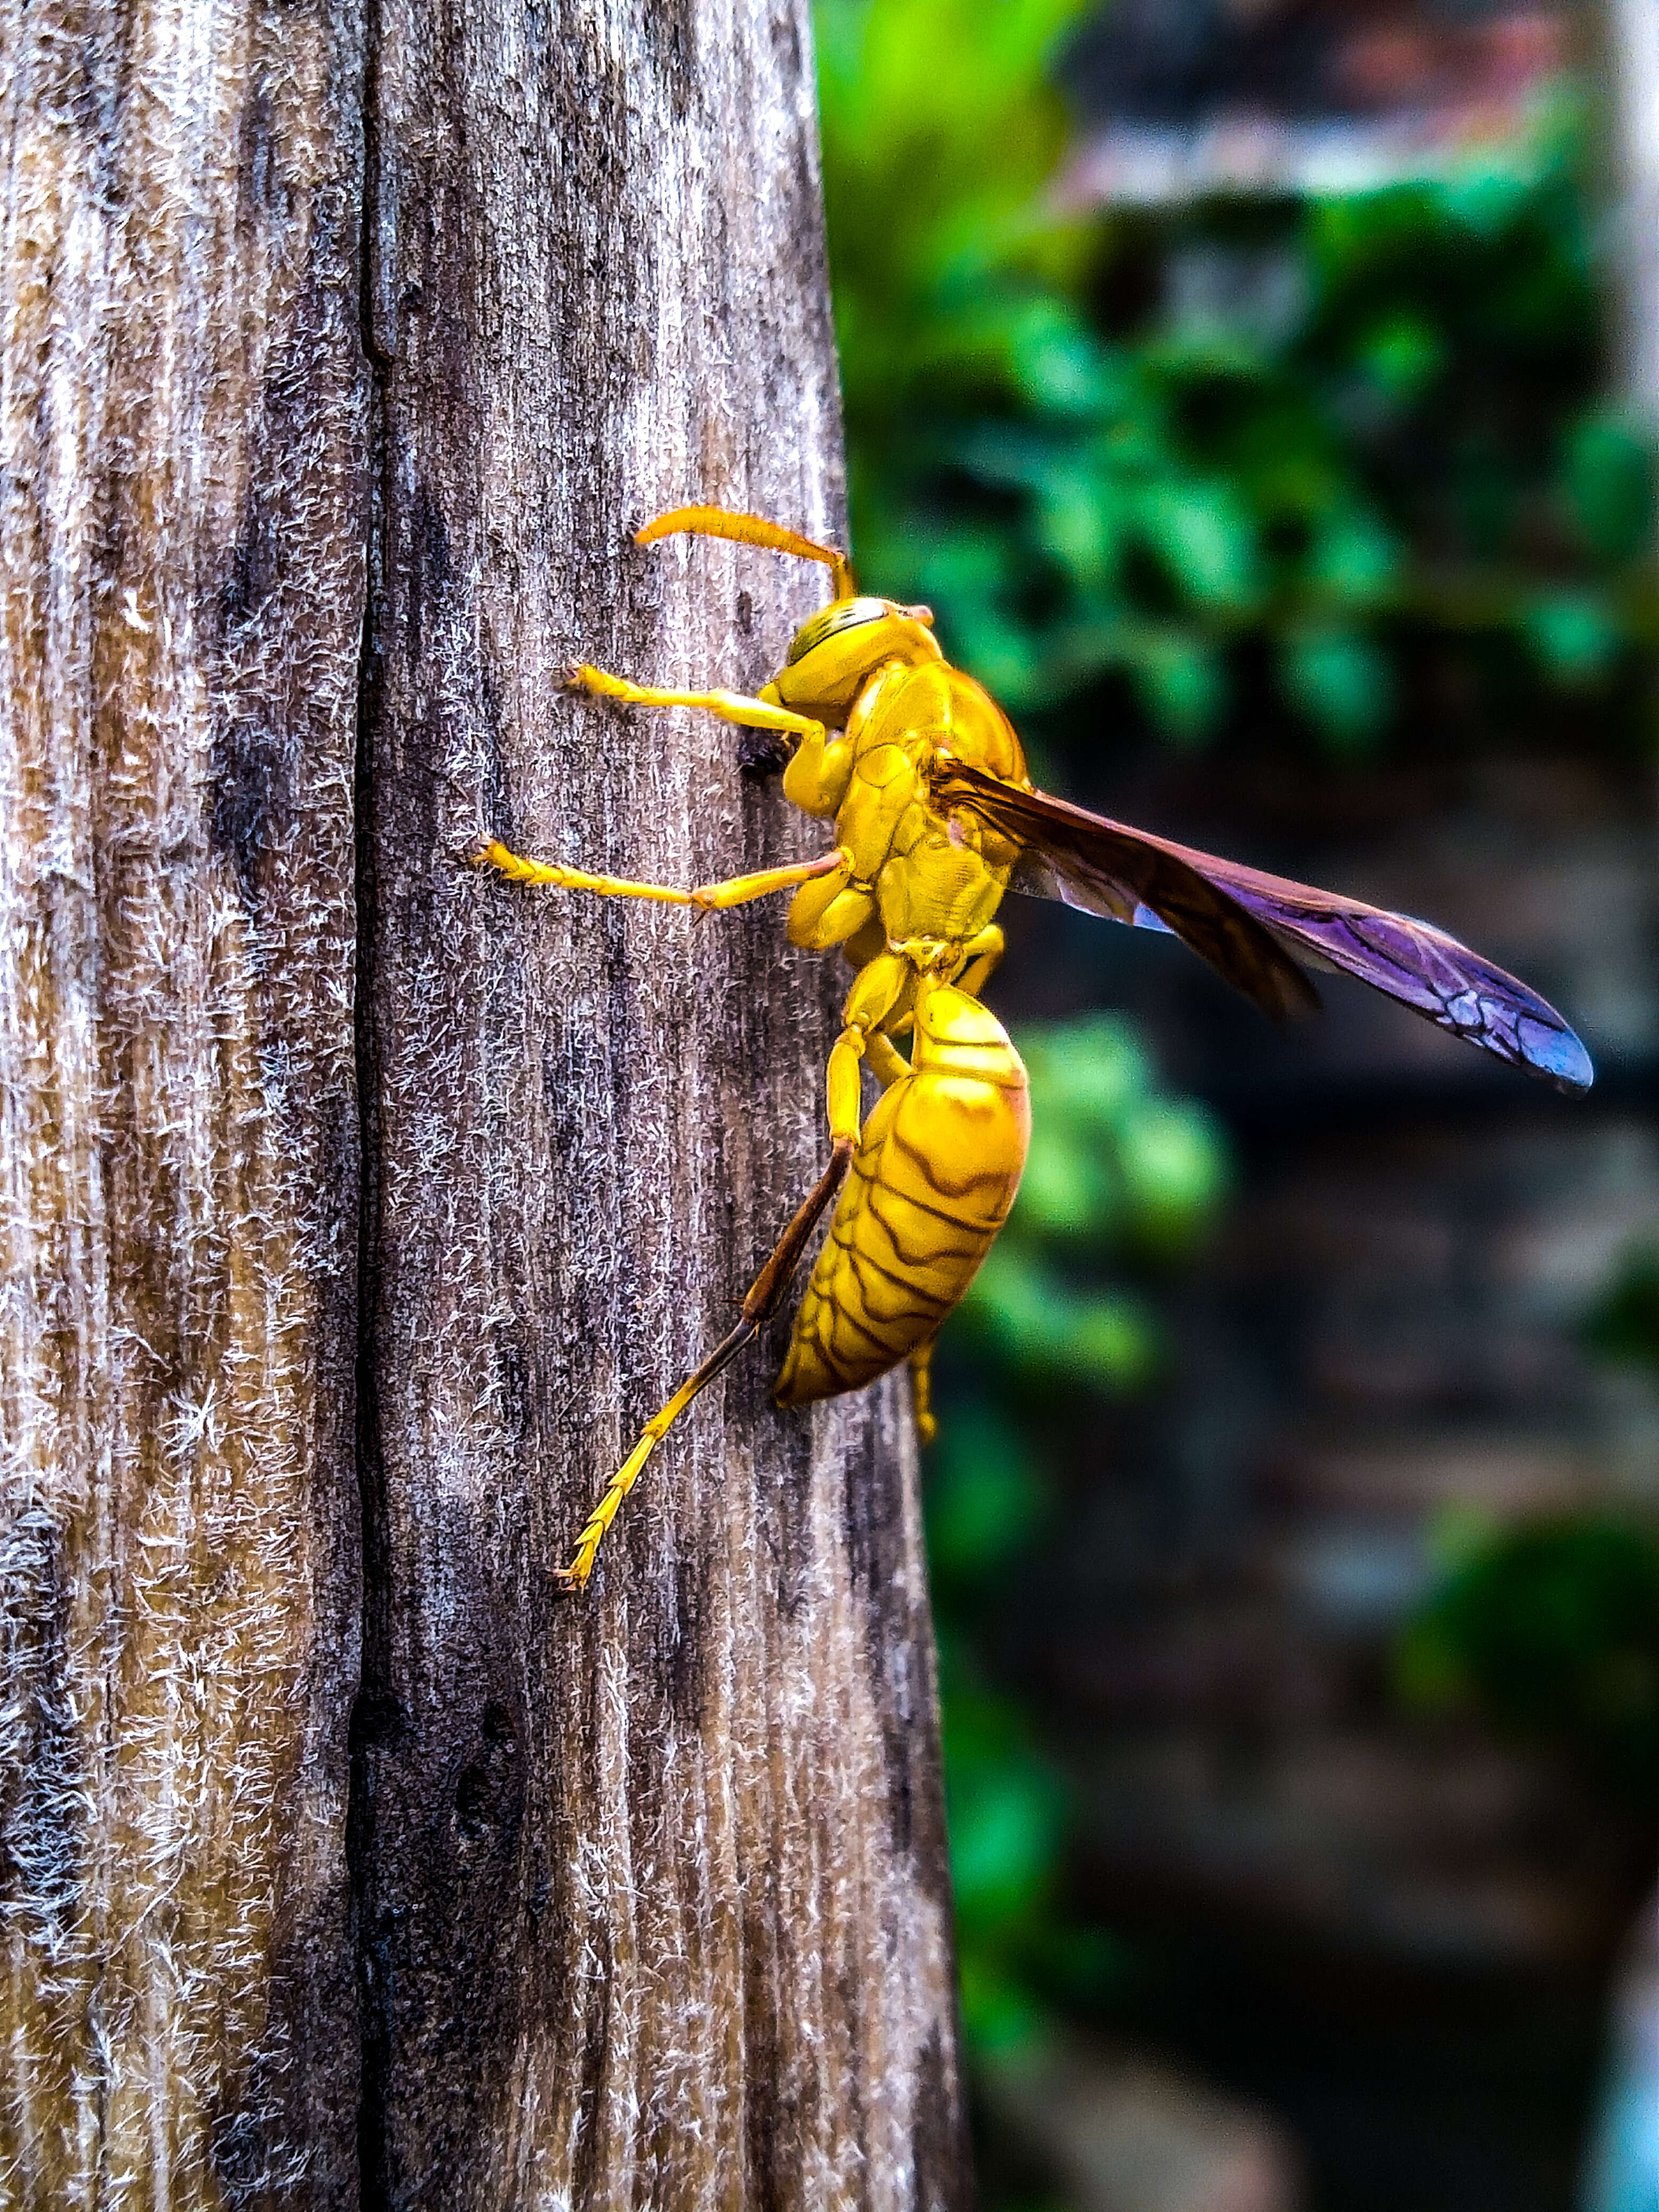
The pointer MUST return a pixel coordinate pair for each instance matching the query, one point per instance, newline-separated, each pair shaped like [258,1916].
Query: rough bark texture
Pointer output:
[341,353]
[651,1882]
[182,550]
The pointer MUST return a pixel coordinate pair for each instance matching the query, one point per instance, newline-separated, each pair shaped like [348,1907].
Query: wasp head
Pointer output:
[834,652]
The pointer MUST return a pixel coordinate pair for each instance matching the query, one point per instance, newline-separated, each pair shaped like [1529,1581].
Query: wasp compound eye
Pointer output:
[844,614]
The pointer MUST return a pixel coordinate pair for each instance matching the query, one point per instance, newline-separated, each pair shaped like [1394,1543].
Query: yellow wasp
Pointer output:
[935,820]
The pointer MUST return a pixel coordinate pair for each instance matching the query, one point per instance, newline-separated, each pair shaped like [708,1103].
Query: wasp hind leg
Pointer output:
[765,1295]
[921,1391]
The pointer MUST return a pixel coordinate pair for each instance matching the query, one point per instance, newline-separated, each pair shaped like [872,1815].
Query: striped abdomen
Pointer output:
[938,1164]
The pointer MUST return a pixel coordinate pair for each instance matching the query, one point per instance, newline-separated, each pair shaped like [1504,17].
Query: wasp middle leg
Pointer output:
[983,952]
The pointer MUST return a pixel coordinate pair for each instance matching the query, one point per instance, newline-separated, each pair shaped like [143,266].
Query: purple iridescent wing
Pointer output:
[1067,853]
[1110,869]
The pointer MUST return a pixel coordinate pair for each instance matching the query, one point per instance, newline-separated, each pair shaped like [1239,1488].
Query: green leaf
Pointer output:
[1341,681]
[985,1501]
[1069,1188]
[1574,636]
[1403,354]
[1175,1170]
[1609,469]
[1001,2017]
[1207,540]
[1005,1822]
[1036,1320]
[1182,681]
[1355,556]
[1094,1067]
[1059,365]
[1079,528]
[1553,1630]
[1624,1322]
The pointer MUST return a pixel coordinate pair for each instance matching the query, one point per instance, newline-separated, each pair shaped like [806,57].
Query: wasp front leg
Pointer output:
[729,706]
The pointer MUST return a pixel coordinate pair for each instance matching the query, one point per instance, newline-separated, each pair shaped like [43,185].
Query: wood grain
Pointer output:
[183,411]
[357,1210]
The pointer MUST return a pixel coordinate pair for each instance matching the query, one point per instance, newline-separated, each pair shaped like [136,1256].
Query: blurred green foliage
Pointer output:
[1341,466]
[1116,1170]
[1624,1322]
[1325,460]
[1550,1629]
[1121,1178]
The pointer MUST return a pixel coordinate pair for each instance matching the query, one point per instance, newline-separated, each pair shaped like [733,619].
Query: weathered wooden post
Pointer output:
[1630,53]
[357,1207]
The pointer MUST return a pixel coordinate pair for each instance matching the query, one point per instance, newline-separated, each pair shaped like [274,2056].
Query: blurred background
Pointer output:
[1264,392]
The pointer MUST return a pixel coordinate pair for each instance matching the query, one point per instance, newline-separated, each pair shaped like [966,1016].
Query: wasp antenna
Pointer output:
[749,530]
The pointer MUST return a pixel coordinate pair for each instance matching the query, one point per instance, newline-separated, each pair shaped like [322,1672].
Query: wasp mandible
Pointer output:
[935,820]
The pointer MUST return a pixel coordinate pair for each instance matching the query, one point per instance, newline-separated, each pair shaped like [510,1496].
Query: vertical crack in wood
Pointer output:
[180,572]
[374,1710]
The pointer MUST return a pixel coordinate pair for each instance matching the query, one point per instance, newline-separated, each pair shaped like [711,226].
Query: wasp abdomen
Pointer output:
[938,1164]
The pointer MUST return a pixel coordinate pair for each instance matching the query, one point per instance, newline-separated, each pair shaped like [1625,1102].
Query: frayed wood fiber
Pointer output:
[182,559]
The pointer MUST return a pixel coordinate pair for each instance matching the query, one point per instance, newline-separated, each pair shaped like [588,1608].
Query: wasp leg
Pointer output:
[766,1294]
[735,891]
[983,951]
[729,706]
[921,1390]
[964,962]
[887,1063]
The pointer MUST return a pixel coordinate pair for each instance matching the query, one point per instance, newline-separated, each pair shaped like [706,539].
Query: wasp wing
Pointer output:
[1110,869]
[1107,869]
